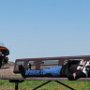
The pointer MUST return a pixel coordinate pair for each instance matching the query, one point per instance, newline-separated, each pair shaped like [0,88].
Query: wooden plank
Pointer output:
[40,78]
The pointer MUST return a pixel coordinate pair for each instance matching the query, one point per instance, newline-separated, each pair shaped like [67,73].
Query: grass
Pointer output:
[28,85]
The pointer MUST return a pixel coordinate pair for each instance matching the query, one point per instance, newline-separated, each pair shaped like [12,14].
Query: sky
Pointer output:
[45,28]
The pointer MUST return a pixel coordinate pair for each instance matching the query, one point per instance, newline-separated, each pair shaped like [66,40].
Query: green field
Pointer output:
[28,85]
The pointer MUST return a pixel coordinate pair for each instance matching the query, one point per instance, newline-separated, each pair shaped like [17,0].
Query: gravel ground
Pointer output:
[7,71]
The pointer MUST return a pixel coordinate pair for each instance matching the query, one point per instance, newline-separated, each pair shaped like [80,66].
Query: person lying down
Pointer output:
[72,69]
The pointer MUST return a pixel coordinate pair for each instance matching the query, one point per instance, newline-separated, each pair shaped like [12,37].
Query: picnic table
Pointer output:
[39,63]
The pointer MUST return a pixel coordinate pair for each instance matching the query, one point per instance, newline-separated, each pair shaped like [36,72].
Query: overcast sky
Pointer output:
[42,28]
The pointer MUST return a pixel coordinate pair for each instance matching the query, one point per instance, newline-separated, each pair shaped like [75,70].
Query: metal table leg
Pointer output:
[64,85]
[16,83]
[42,85]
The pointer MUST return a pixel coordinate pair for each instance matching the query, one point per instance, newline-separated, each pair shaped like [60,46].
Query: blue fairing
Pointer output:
[33,72]
[53,71]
